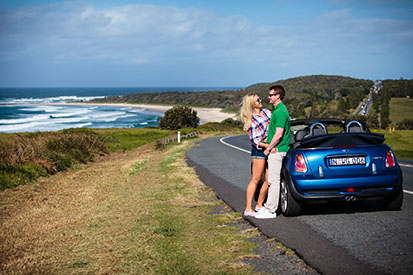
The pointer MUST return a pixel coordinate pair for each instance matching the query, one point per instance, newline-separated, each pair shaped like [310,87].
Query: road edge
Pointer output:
[315,250]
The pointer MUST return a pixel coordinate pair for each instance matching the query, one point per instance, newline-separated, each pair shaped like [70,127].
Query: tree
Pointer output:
[342,106]
[179,117]
[300,111]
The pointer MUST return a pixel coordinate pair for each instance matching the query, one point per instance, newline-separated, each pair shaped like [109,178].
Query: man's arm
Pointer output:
[275,140]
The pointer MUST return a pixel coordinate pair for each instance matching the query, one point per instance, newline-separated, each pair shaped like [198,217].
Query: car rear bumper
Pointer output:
[338,189]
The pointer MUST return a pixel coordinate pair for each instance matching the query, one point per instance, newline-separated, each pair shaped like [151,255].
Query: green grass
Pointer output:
[401,141]
[24,157]
[128,139]
[400,109]
[135,212]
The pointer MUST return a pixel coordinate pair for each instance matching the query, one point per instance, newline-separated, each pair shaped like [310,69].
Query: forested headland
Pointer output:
[306,96]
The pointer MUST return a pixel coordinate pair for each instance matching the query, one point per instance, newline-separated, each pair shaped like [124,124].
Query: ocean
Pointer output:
[36,109]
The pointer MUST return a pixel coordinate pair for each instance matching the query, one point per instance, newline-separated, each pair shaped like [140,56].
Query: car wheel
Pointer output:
[289,206]
[394,203]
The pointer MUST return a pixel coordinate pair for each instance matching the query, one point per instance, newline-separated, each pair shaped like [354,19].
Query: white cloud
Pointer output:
[136,35]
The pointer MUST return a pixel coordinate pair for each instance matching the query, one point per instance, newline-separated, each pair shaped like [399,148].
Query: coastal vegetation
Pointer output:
[140,210]
[179,117]
[307,96]
[24,157]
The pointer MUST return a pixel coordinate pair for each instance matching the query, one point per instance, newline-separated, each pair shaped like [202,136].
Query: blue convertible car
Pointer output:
[331,159]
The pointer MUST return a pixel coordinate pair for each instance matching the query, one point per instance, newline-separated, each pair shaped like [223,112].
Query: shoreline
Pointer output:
[205,114]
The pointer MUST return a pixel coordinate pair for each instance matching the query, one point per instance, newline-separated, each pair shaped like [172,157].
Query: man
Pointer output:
[279,144]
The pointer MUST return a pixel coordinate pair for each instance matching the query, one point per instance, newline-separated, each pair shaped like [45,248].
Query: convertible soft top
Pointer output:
[315,134]
[341,140]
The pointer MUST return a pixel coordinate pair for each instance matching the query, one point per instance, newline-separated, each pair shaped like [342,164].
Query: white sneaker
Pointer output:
[250,213]
[259,209]
[266,214]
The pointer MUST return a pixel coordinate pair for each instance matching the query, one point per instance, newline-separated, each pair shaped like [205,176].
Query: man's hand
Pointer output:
[273,150]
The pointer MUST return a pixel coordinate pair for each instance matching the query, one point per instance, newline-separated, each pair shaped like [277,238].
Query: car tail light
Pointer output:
[300,166]
[390,159]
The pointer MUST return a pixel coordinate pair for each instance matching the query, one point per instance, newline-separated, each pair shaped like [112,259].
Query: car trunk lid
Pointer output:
[349,161]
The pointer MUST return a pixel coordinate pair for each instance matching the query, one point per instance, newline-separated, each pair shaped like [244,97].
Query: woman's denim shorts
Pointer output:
[257,154]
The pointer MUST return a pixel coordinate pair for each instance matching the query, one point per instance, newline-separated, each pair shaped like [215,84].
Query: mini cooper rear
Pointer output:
[349,163]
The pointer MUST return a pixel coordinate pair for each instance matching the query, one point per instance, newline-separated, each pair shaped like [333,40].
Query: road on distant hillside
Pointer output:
[364,108]
[335,238]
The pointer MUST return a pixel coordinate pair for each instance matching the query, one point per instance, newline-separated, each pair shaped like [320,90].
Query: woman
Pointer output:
[256,121]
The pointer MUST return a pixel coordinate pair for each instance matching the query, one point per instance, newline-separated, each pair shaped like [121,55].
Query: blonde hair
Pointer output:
[247,110]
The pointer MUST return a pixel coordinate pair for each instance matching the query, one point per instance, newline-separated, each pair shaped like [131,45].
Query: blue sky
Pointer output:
[129,43]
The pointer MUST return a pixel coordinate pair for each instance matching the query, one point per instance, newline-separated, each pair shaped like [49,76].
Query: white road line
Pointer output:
[235,147]
[246,151]
[406,165]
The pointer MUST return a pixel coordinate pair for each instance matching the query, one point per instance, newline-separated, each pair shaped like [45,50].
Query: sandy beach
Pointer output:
[205,114]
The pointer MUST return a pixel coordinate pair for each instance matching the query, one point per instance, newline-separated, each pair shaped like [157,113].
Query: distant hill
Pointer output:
[301,91]
[399,88]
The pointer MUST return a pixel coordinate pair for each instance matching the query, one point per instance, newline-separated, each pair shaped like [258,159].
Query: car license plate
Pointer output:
[347,161]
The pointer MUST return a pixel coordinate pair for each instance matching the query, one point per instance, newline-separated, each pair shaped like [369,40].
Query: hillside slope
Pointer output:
[304,90]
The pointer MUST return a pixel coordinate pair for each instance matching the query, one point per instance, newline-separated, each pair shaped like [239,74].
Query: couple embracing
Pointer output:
[270,138]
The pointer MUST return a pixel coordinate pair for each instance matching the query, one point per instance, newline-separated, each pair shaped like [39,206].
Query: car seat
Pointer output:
[354,126]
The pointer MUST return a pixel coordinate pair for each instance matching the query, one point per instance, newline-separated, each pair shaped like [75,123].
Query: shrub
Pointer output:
[179,117]
[218,127]
[59,161]
[12,175]
[232,122]
[26,157]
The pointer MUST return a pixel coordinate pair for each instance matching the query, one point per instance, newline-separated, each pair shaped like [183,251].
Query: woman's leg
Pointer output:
[264,189]
[258,166]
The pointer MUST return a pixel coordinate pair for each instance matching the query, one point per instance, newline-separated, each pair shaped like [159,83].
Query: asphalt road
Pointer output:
[334,238]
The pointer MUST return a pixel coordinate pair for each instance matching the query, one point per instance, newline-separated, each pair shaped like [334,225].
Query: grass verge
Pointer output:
[24,157]
[401,141]
[137,211]
[400,109]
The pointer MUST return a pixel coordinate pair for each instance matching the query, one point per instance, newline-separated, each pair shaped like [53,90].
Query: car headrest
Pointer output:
[354,126]
[355,129]
[319,131]
[299,135]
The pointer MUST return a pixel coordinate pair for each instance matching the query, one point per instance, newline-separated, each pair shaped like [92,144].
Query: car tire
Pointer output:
[394,203]
[289,206]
